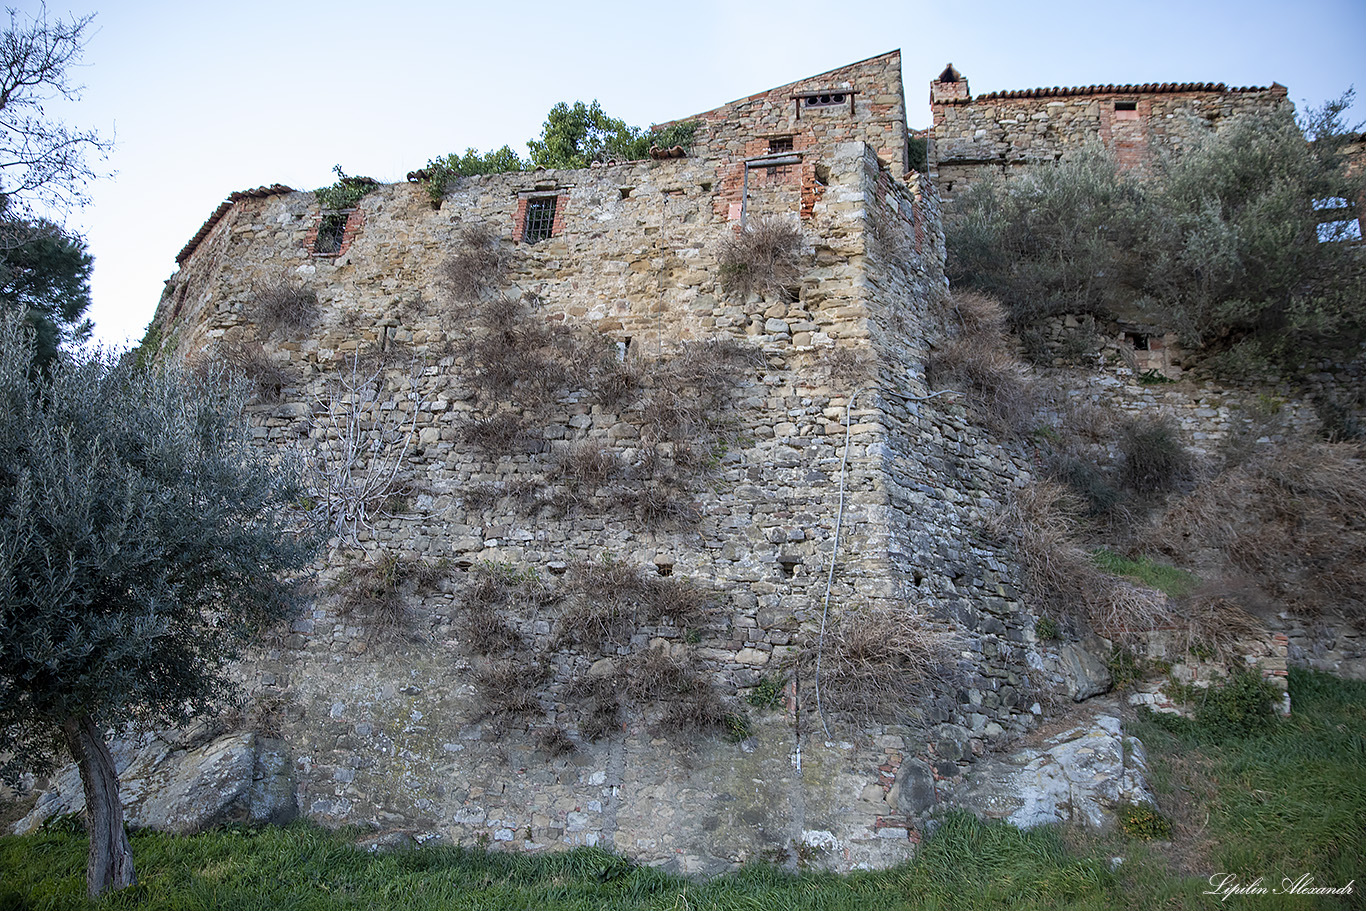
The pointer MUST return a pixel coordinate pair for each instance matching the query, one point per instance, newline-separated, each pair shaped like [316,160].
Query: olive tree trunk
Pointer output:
[110,862]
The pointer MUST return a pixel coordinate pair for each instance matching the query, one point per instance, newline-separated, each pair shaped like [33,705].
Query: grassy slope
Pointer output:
[1286,803]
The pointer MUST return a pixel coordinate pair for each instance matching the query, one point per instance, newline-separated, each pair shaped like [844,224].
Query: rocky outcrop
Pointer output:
[1079,775]
[186,787]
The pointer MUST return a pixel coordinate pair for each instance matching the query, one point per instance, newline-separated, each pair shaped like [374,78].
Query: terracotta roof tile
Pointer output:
[275,189]
[1147,88]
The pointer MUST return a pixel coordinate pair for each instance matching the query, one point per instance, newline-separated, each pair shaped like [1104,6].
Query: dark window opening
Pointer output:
[664,569]
[779,144]
[1139,341]
[331,232]
[788,566]
[540,219]
[817,101]
[1126,105]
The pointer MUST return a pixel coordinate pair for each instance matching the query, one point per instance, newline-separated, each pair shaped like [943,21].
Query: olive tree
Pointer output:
[143,541]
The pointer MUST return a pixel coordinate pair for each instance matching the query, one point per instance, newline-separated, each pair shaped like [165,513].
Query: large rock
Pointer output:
[236,778]
[1082,774]
[1086,675]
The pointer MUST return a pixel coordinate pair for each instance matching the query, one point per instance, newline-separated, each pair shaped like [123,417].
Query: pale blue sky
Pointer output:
[205,99]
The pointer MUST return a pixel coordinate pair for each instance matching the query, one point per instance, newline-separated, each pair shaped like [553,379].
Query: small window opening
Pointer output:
[626,192]
[789,565]
[1126,105]
[331,231]
[540,219]
[819,101]
[779,144]
[664,569]
[919,578]
[1139,341]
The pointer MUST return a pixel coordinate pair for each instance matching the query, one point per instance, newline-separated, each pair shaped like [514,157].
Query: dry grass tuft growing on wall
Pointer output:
[479,265]
[610,599]
[764,258]
[875,663]
[979,359]
[283,304]
[248,360]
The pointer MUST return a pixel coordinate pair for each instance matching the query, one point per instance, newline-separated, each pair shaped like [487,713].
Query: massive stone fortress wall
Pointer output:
[1000,131]
[817,425]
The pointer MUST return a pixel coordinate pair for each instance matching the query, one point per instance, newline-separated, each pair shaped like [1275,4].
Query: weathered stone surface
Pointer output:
[1085,673]
[913,792]
[1081,774]
[235,778]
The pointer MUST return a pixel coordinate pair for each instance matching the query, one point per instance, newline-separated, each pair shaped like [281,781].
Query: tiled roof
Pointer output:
[676,152]
[275,189]
[1147,88]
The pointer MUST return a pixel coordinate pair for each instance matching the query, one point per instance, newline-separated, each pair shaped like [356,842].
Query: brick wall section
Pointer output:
[1006,130]
[355,220]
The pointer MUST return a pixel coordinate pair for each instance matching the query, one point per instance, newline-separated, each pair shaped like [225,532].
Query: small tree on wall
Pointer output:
[142,543]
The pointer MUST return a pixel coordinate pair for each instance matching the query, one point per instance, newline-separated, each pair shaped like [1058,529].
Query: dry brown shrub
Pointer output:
[610,599]
[283,304]
[479,265]
[248,360]
[589,465]
[373,591]
[1221,624]
[513,354]
[1043,521]
[975,313]
[656,676]
[1292,519]
[496,433]
[979,358]
[510,688]
[600,705]
[874,663]
[690,389]
[847,367]
[765,257]
[1154,461]
[661,502]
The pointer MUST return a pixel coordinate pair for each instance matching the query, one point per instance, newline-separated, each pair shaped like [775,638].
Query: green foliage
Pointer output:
[680,133]
[737,726]
[769,693]
[1221,243]
[577,136]
[917,158]
[442,172]
[143,541]
[1126,668]
[1241,706]
[45,278]
[1046,628]
[1177,583]
[346,192]
[1144,822]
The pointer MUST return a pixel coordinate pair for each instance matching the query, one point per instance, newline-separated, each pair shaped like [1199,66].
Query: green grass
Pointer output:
[1174,582]
[1288,801]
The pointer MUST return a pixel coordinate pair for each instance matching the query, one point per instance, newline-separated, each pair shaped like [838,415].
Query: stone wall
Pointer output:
[1002,131]
[390,719]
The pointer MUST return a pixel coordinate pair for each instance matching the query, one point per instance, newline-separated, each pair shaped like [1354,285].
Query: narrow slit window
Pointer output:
[331,233]
[540,219]
[1126,110]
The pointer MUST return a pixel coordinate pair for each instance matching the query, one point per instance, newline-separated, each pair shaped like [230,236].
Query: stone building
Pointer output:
[1002,131]
[641,540]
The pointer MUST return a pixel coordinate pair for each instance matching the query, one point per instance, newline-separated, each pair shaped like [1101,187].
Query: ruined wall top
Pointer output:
[1002,130]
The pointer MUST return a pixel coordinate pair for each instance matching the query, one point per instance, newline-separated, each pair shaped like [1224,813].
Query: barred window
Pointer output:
[540,218]
[331,232]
